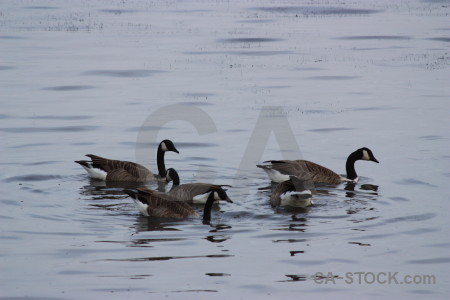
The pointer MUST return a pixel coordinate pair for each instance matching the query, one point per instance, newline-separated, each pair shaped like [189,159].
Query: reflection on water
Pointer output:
[163,258]
[217,238]
[144,224]
[295,278]
[68,88]
[316,10]
[123,73]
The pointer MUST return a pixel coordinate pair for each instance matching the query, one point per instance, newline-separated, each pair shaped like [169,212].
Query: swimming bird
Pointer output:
[279,170]
[117,170]
[293,192]
[196,193]
[156,204]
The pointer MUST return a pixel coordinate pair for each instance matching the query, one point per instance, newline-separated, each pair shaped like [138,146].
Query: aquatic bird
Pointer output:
[118,170]
[156,204]
[196,193]
[279,170]
[293,192]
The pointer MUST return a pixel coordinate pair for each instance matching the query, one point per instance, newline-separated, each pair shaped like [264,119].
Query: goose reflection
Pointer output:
[217,238]
[219,227]
[352,193]
[110,195]
[144,224]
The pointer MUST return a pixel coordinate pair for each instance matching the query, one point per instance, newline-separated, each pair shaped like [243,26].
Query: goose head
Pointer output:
[167,145]
[366,154]
[172,175]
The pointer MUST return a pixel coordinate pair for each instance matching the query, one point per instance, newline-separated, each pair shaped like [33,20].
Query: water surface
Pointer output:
[230,84]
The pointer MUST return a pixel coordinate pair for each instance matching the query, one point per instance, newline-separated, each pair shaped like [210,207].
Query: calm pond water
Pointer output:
[232,85]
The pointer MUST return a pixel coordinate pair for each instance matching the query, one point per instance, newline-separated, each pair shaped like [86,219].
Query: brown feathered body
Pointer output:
[119,170]
[160,205]
[279,170]
[193,192]
[196,193]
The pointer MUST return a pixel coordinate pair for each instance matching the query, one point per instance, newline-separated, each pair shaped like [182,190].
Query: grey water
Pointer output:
[232,84]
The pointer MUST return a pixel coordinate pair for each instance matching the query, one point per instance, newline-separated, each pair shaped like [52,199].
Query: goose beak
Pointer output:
[374,160]
[228,200]
[175,150]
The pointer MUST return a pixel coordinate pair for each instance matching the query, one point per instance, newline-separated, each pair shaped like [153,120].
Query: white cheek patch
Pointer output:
[164,147]
[365,155]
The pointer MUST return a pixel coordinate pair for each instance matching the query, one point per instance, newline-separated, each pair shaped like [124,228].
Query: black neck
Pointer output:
[207,209]
[350,166]
[160,162]
[176,179]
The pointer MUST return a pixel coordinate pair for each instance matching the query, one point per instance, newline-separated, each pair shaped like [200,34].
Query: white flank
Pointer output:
[95,173]
[201,199]
[276,176]
[141,207]
[297,199]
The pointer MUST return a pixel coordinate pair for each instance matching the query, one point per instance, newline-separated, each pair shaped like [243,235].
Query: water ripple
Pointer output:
[61,117]
[438,260]
[68,88]
[374,37]
[330,129]
[330,77]
[49,129]
[316,10]
[43,7]
[164,258]
[249,40]
[123,73]
[412,181]
[32,177]
[260,53]
[440,39]
[9,202]
[217,274]
[11,37]
[118,11]
[4,68]
[30,145]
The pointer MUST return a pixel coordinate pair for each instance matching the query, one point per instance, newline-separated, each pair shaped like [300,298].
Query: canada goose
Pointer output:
[196,193]
[279,170]
[156,204]
[118,170]
[293,192]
